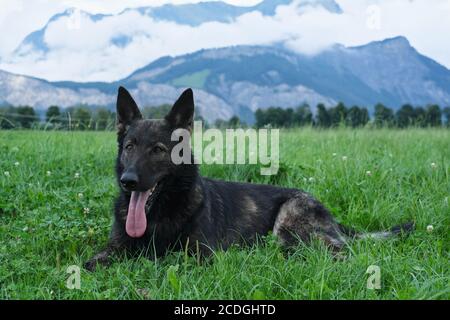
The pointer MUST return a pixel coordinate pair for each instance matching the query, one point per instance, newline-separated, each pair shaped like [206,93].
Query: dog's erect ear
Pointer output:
[127,109]
[182,113]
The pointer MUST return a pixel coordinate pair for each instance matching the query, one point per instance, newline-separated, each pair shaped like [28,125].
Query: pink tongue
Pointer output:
[136,219]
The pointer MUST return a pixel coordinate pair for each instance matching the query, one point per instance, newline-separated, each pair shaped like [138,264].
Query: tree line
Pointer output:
[355,116]
[82,117]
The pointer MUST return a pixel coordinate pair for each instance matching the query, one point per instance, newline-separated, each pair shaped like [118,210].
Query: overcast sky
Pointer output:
[426,23]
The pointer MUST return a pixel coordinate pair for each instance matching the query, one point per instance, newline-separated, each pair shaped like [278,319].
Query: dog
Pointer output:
[164,206]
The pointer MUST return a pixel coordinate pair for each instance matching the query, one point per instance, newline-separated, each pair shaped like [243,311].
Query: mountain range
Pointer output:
[237,80]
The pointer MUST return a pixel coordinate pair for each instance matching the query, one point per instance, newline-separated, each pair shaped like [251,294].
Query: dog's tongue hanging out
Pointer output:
[136,218]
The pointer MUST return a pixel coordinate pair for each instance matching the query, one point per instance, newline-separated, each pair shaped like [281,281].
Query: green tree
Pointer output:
[384,117]
[404,117]
[288,118]
[420,117]
[303,115]
[260,118]
[338,114]
[433,116]
[103,119]
[156,112]
[364,116]
[446,113]
[26,116]
[7,117]
[53,115]
[80,117]
[323,118]
[220,123]
[274,116]
[234,122]
[357,117]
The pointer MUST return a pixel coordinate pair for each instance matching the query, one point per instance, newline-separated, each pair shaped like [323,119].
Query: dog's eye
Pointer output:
[129,146]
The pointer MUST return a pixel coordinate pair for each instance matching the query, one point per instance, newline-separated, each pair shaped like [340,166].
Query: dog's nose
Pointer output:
[129,180]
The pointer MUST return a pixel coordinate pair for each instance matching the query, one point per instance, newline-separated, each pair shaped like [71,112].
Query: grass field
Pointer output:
[57,188]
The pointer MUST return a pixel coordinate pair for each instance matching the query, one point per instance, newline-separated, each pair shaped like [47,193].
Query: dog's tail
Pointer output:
[402,229]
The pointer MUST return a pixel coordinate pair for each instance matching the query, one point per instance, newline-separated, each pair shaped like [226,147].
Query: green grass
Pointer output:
[44,228]
[194,80]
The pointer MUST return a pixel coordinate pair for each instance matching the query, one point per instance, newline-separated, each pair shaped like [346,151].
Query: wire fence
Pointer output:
[64,121]
[105,120]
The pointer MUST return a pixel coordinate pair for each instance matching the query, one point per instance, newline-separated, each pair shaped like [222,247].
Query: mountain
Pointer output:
[22,90]
[246,77]
[390,71]
[198,13]
[241,79]
[195,14]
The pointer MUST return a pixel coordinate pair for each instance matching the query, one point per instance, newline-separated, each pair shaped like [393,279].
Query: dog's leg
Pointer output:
[104,257]
[101,258]
[303,218]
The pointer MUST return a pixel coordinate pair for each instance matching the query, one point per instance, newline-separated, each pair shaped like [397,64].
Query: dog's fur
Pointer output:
[187,211]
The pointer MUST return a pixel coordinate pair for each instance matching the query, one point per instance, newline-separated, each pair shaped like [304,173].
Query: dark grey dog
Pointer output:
[164,206]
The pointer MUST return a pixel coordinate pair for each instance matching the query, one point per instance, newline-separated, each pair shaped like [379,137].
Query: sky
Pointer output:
[85,52]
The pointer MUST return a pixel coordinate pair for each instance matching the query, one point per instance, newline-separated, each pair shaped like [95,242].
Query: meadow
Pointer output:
[57,189]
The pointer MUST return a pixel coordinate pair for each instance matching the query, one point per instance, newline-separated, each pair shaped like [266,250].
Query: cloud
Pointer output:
[82,50]
[426,24]
[25,17]
[116,6]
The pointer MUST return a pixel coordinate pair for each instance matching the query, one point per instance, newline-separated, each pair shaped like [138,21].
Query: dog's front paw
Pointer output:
[90,265]
[102,258]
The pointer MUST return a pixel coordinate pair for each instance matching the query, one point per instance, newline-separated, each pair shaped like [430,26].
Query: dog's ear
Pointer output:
[127,110]
[182,113]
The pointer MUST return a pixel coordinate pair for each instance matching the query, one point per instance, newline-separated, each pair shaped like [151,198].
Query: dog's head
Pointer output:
[145,148]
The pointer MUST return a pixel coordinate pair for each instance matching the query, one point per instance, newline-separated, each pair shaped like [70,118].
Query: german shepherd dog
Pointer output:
[163,206]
